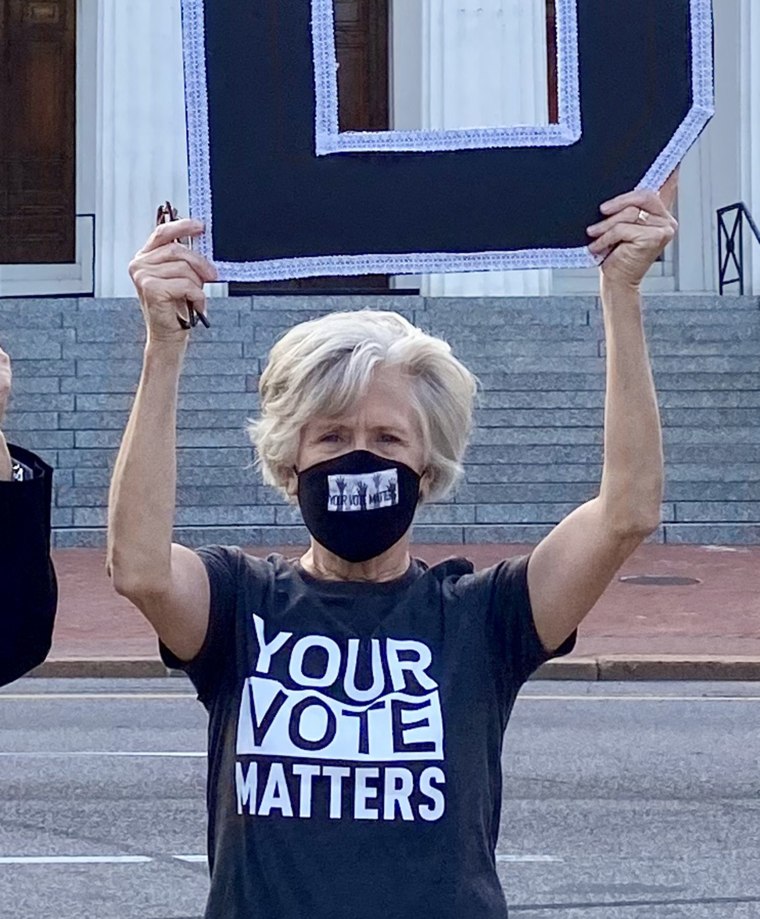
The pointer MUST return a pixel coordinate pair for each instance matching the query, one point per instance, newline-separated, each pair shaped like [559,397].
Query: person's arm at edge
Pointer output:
[166,581]
[6,463]
[29,584]
[570,569]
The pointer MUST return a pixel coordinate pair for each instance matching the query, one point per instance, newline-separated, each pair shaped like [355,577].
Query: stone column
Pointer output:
[141,148]
[484,64]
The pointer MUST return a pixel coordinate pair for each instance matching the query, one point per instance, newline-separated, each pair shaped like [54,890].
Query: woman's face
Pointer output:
[383,422]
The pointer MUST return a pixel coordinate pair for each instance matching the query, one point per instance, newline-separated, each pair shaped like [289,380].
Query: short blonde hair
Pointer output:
[323,366]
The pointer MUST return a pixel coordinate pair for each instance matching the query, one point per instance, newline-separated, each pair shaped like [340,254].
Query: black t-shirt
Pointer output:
[28,587]
[355,732]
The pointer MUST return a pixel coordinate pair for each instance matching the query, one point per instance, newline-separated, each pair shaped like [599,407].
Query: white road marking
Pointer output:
[641,698]
[197,859]
[75,859]
[65,696]
[167,754]
[537,859]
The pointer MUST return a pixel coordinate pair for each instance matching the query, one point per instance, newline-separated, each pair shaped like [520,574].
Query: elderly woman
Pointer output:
[357,697]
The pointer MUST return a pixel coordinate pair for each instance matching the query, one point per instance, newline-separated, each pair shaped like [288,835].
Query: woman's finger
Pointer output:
[628,215]
[653,238]
[643,199]
[171,253]
[157,292]
[168,270]
[171,231]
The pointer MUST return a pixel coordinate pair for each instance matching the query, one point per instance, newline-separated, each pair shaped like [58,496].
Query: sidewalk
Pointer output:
[706,631]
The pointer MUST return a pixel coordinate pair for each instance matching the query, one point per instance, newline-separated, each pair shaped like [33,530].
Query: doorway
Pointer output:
[38,118]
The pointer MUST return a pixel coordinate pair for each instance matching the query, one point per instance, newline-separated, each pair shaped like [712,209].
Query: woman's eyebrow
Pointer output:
[401,430]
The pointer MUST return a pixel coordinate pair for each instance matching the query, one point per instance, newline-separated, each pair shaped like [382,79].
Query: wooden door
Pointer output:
[551,56]
[361,37]
[38,124]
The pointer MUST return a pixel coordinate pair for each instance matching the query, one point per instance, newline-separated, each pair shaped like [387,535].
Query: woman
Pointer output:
[28,586]
[357,698]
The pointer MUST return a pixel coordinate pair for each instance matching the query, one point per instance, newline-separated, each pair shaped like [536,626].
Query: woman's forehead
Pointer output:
[388,416]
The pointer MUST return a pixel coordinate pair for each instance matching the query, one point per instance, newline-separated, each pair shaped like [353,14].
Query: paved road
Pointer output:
[621,801]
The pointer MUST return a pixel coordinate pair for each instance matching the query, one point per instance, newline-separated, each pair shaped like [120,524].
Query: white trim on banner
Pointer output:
[329,139]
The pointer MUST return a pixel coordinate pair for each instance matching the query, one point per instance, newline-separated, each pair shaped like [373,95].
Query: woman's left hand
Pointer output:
[636,229]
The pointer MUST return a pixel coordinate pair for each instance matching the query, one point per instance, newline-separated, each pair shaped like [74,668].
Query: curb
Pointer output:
[605,668]
[136,668]
[652,667]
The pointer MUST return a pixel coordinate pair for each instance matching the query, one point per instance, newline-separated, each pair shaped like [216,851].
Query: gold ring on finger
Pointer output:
[643,216]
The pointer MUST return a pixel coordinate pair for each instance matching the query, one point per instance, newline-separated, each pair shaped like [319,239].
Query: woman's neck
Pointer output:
[392,564]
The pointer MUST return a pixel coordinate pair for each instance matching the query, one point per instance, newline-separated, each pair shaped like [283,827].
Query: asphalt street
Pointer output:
[621,801]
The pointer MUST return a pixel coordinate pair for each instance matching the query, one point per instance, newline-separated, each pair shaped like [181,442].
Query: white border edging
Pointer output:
[329,139]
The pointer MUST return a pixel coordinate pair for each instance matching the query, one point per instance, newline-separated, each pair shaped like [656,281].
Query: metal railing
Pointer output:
[731,221]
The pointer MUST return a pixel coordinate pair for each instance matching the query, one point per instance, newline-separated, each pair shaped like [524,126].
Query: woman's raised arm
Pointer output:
[167,582]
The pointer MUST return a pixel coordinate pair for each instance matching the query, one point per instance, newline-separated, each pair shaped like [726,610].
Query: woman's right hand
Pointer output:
[168,276]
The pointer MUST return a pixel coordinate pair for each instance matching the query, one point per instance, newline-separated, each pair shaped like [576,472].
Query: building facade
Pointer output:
[96,129]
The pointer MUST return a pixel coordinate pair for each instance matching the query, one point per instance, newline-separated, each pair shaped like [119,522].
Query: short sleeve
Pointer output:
[511,614]
[207,669]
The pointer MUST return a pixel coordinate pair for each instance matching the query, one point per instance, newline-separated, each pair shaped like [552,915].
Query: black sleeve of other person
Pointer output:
[28,586]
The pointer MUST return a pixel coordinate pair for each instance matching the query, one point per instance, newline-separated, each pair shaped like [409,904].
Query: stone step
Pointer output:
[578,492]
[671,346]
[519,407]
[494,439]
[528,400]
[729,501]
[658,348]
[560,453]
[499,473]
[220,465]
[547,381]
[191,458]
[593,417]
[702,302]
[557,436]
[672,533]
[550,363]
[715,534]
[716,511]
[709,331]
[536,453]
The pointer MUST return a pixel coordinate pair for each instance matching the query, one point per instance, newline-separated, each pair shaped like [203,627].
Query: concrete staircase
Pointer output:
[535,455]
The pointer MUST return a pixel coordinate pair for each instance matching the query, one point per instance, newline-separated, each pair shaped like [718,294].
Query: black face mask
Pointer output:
[358,505]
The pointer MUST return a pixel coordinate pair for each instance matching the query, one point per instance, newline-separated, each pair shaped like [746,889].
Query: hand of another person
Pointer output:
[167,275]
[6,465]
[636,229]
[5,382]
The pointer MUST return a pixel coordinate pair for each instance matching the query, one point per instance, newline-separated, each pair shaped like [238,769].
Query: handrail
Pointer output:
[731,244]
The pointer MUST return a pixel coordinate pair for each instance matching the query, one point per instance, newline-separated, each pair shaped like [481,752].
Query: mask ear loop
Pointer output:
[421,498]
[294,470]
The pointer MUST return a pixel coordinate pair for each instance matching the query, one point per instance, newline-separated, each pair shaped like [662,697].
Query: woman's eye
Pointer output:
[331,437]
[389,439]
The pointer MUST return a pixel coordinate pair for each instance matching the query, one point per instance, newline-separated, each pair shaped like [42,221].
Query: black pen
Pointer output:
[167,214]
